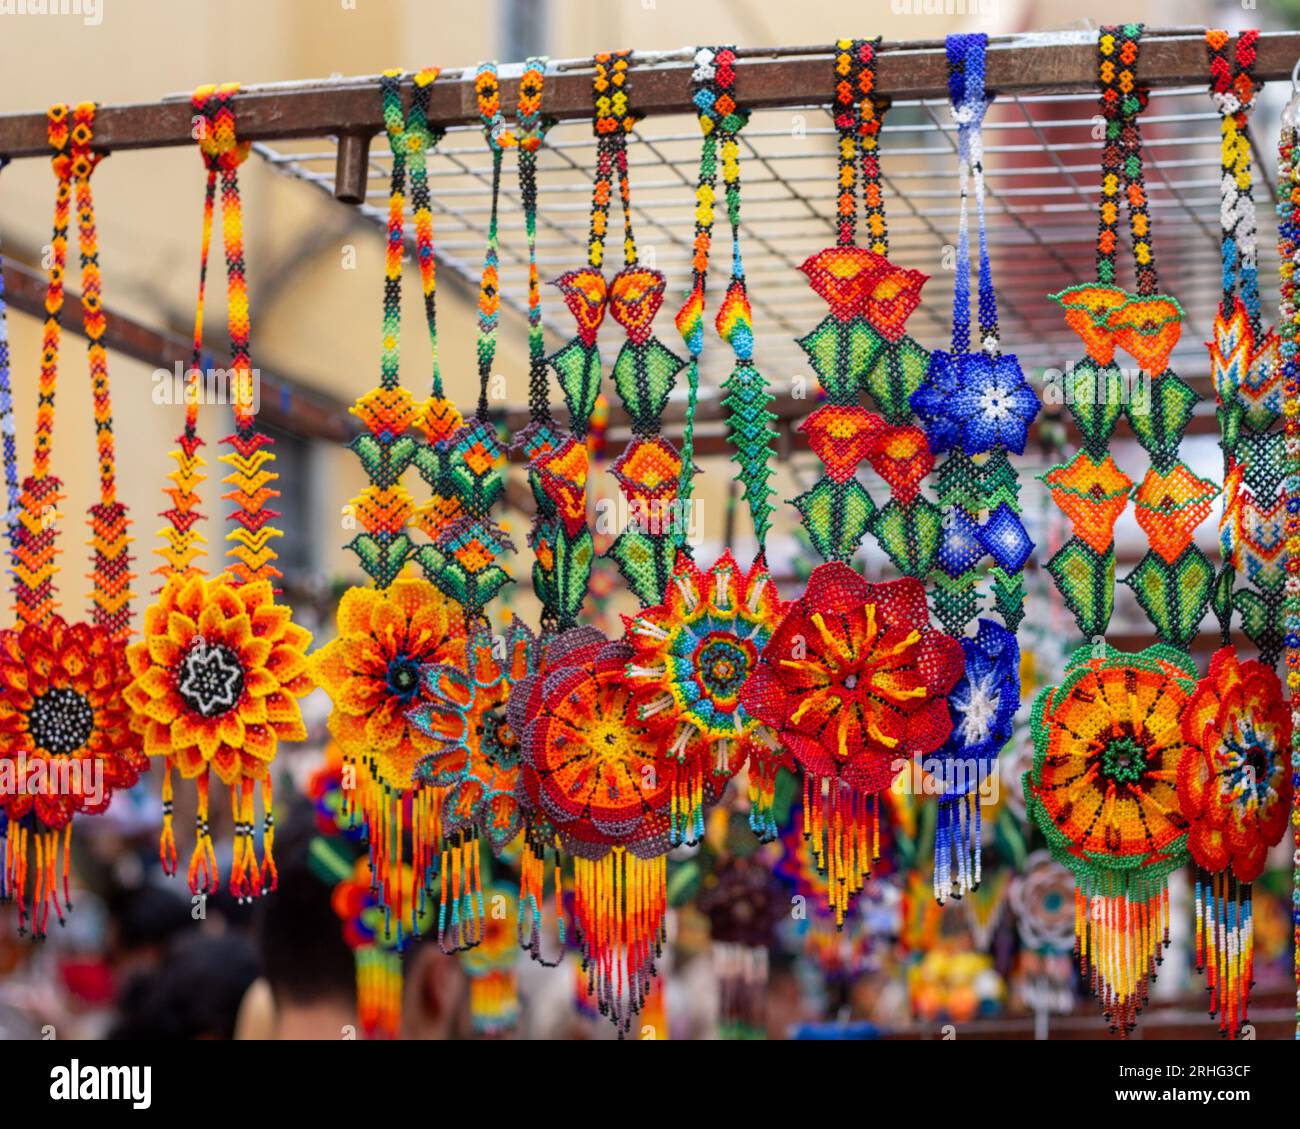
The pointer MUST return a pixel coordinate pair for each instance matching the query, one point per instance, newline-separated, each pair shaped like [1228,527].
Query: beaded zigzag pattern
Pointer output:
[1247,375]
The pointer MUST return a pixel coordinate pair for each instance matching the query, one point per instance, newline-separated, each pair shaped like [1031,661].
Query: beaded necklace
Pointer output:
[976,406]
[391,630]
[1234,785]
[853,680]
[1288,213]
[1109,739]
[589,774]
[64,730]
[695,648]
[217,675]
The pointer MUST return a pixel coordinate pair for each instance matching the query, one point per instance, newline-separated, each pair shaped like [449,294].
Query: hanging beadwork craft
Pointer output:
[842,680]
[388,633]
[698,647]
[218,674]
[977,407]
[65,736]
[1099,788]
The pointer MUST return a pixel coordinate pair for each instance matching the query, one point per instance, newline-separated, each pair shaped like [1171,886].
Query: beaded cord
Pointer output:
[8,431]
[1288,215]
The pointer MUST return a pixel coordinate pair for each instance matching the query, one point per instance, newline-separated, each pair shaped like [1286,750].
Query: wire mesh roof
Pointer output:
[1041,160]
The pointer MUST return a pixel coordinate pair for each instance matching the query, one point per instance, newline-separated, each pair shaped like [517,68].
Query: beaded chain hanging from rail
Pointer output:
[1109,738]
[695,649]
[1288,325]
[1234,784]
[217,676]
[589,764]
[854,679]
[390,630]
[9,449]
[976,406]
[462,709]
[65,737]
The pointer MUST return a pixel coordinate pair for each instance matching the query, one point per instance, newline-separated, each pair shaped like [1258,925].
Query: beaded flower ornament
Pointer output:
[589,762]
[217,677]
[1109,740]
[1288,213]
[1234,787]
[977,407]
[389,632]
[853,679]
[696,649]
[65,737]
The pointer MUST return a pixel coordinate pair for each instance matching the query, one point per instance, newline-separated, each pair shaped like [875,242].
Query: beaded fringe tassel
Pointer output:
[379,991]
[1225,946]
[20,842]
[619,904]
[532,896]
[843,827]
[1121,928]
[957,837]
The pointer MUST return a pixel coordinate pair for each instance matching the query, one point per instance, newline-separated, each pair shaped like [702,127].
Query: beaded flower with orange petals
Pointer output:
[371,671]
[1234,781]
[217,677]
[61,708]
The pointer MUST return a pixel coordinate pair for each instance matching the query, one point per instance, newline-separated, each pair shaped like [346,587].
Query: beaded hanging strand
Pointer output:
[1288,324]
[1109,806]
[75,731]
[398,624]
[695,649]
[977,406]
[860,346]
[221,666]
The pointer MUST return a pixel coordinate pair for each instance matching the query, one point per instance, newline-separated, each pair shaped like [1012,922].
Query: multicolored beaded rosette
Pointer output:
[217,677]
[854,680]
[1288,323]
[977,407]
[696,648]
[1233,785]
[1109,739]
[65,740]
[389,632]
[590,766]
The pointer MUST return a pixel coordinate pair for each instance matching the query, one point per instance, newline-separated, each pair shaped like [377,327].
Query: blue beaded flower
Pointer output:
[960,549]
[975,401]
[982,707]
[1004,538]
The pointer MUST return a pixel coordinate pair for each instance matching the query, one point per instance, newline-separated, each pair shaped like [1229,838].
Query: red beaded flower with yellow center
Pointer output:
[65,733]
[855,678]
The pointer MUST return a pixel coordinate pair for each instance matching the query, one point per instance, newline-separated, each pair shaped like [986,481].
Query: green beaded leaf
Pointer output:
[434,465]
[1174,596]
[578,368]
[646,562]
[1000,482]
[957,483]
[1096,397]
[1229,417]
[1160,418]
[384,463]
[1261,620]
[573,560]
[836,516]
[1221,598]
[1086,580]
[955,600]
[1264,456]
[382,557]
[897,371]
[910,533]
[751,433]
[1008,596]
[644,374]
[840,352]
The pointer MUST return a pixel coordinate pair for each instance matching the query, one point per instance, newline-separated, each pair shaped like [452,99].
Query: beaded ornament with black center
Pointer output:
[65,741]
[218,674]
[976,406]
